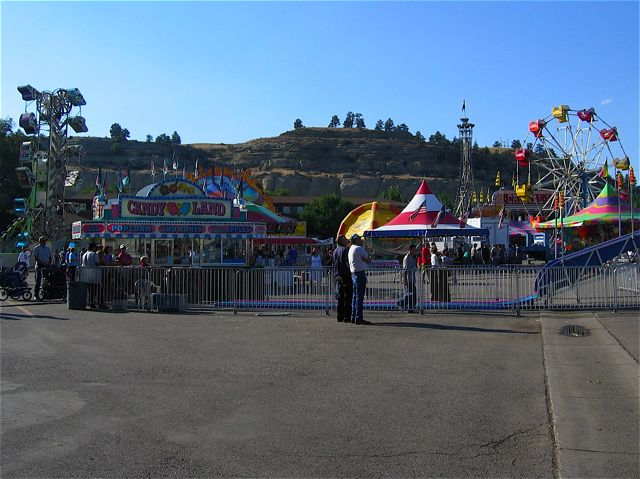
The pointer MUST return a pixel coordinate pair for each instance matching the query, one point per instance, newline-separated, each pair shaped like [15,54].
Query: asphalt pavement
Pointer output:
[105,394]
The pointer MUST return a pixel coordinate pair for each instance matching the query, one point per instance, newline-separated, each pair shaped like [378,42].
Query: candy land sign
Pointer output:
[174,208]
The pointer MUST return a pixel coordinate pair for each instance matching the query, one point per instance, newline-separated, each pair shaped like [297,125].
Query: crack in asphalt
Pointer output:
[601,452]
[493,444]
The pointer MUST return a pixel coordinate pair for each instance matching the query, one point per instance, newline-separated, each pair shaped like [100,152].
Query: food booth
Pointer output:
[173,222]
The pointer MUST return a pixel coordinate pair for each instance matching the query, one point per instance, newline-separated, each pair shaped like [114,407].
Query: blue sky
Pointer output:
[230,72]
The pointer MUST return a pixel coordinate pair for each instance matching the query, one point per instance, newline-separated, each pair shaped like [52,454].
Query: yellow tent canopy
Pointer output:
[367,217]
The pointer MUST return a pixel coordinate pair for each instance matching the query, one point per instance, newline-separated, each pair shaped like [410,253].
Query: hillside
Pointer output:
[314,161]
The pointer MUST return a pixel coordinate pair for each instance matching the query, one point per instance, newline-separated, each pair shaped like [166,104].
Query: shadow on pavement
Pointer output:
[444,327]
[18,317]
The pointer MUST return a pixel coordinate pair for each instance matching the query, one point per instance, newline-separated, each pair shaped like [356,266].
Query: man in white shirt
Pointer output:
[358,263]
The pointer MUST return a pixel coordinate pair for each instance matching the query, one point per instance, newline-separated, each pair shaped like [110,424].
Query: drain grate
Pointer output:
[573,330]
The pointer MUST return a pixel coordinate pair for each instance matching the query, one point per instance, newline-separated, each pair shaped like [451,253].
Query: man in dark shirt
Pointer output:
[344,284]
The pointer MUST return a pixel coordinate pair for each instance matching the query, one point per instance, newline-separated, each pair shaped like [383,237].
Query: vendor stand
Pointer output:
[173,222]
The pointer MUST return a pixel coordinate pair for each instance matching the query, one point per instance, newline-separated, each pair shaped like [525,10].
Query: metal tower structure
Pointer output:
[47,156]
[466,186]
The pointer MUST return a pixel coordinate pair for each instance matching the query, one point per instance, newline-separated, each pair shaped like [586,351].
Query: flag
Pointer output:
[420,209]
[604,173]
[184,173]
[195,170]
[464,106]
[501,218]
[438,217]
[99,178]
[119,182]
[153,169]
[125,176]
[165,168]
[175,162]
[465,217]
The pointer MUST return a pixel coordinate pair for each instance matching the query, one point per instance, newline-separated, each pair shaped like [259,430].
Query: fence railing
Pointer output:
[508,288]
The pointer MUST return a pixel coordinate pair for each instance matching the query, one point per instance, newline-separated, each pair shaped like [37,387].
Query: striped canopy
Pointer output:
[417,219]
[603,210]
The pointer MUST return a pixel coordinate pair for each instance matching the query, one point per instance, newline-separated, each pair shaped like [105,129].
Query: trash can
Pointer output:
[76,295]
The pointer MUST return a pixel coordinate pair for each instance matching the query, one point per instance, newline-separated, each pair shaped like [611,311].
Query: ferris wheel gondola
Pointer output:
[567,156]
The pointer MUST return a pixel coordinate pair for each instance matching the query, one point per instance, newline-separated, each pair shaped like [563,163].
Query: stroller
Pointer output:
[13,283]
[54,282]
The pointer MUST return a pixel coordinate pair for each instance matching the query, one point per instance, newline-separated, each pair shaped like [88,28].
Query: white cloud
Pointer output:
[606,101]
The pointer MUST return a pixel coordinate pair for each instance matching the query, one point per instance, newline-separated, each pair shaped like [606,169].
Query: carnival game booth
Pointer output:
[173,222]
[597,222]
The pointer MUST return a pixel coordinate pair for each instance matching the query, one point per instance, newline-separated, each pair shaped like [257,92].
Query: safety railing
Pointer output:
[506,288]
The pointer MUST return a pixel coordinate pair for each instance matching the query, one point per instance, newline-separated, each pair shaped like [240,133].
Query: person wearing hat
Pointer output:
[358,263]
[123,258]
[344,284]
[43,257]
[71,260]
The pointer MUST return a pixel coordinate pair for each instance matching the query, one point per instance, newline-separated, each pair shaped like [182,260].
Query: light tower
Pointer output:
[465,187]
[48,157]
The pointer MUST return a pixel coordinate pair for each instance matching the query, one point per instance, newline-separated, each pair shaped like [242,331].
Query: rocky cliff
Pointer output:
[314,161]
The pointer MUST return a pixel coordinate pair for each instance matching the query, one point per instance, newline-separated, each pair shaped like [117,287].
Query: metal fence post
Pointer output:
[615,290]
[516,272]
[234,290]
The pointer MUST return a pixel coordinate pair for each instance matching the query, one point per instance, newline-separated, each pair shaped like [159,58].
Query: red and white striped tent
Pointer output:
[419,219]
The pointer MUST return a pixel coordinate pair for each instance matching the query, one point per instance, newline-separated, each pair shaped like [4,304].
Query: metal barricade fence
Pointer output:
[506,288]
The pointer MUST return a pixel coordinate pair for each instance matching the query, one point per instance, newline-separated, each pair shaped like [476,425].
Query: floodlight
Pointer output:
[28,93]
[28,123]
[78,124]
[20,206]
[26,149]
[76,97]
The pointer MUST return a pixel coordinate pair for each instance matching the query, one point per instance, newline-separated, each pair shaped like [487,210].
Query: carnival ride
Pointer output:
[569,150]
[44,162]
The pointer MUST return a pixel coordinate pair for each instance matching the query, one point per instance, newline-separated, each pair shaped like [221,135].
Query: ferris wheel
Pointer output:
[565,154]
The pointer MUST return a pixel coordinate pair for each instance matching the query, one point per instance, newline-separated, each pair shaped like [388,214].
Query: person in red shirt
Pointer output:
[123,258]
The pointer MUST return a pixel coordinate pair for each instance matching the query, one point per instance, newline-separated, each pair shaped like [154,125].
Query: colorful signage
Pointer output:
[509,199]
[151,208]
[175,188]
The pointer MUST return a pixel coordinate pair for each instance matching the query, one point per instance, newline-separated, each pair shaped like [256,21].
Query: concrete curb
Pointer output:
[593,392]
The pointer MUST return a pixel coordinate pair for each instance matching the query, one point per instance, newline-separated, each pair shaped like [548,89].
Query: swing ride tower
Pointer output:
[465,186]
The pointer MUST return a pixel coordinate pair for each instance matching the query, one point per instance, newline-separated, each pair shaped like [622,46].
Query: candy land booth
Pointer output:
[173,222]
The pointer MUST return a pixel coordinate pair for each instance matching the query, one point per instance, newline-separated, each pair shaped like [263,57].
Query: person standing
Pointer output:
[91,275]
[358,263]
[409,268]
[24,255]
[71,260]
[344,284]
[316,268]
[43,257]
[123,258]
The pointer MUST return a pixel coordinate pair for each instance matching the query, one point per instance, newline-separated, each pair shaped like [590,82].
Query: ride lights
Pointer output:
[620,181]
[28,93]
[632,176]
[79,124]
[556,202]
[561,200]
[76,97]
[28,123]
